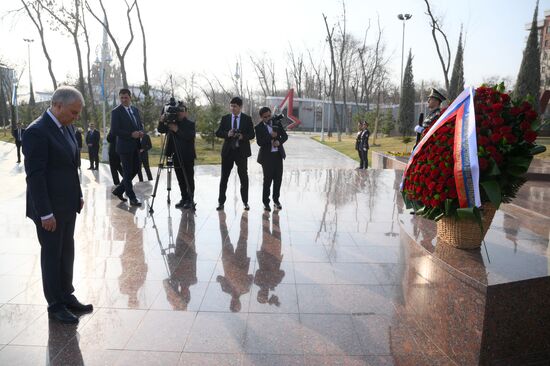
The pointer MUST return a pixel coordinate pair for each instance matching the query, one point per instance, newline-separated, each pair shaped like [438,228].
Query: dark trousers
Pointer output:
[189,168]
[242,170]
[144,161]
[56,259]
[272,168]
[130,166]
[18,146]
[364,159]
[78,162]
[116,168]
[94,157]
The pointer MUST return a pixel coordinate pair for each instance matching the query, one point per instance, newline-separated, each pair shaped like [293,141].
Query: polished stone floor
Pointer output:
[317,283]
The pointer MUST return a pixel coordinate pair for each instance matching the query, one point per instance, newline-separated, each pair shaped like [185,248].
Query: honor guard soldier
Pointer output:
[434,106]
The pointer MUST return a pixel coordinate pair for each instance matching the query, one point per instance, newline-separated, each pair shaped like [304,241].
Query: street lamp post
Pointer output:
[31,94]
[404,18]
[105,57]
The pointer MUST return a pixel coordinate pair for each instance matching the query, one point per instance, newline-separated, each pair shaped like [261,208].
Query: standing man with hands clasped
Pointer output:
[54,197]
[126,126]
[237,130]
[270,136]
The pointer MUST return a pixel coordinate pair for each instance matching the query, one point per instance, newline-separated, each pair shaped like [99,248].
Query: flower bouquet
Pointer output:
[472,159]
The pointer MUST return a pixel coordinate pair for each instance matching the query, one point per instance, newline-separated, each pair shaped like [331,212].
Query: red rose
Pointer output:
[491,149]
[505,129]
[486,124]
[452,193]
[531,115]
[434,174]
[483,140]
[498,157]
[443,196]
[510,138]
[498,121]
[496,137]
[505,98]
[483,164]
[515,111]
[498,107]
[530,136]
[524,125]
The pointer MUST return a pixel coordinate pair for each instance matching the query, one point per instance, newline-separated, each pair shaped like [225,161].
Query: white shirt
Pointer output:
[270,129]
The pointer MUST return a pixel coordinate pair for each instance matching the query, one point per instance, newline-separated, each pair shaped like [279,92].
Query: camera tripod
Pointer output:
[166,162]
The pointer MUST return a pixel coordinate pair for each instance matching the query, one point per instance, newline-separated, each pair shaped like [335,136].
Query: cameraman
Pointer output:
[182,137]
[270,136]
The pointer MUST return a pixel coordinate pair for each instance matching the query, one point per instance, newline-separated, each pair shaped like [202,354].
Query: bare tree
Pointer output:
[105,23]
[144,42]
[445,60]
[35,16]
[297,70]
[343,54]
[88,65]
[70,19]
[334,76]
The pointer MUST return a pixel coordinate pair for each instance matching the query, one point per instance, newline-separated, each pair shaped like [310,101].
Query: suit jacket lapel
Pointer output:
[58,135]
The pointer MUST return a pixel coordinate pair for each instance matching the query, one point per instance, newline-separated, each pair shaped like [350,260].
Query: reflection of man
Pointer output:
[63,337]
[269,273]
[271,136]
[126,126]
[182,264]
[237,130]
[92,140]
[54,198]
[236,281]
[17,134]
[78,137]
[114,159]
[183,136]
[133,268]
[144,157]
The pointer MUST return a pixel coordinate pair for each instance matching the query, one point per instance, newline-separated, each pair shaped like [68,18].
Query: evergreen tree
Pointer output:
[457,77]
[406,103]
[528,82]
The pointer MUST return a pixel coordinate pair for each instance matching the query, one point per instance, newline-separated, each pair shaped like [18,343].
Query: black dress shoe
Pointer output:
[277,205]
[189,205]
[246,207]
[120,196]
[267,208]
[77,307]
[64,316]
[135,202]
[180,204]
[90,168]
[220,207]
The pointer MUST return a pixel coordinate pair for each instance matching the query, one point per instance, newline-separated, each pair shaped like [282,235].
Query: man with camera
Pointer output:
[127,128]
[270,136]
[181,146]
[237,130]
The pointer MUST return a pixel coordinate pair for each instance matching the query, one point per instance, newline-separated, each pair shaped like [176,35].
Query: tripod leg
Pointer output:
[169,183]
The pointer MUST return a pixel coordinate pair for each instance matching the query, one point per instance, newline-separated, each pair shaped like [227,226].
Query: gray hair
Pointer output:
[66,95]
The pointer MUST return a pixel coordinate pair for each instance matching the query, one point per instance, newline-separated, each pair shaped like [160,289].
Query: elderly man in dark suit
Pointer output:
[270,136]
[17,134]
[54,197]
[237,130]
[126,126]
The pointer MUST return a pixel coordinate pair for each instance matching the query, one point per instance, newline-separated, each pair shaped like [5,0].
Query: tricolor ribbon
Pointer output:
[466,163]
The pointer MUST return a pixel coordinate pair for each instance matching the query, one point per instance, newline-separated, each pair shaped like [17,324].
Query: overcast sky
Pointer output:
[207,36]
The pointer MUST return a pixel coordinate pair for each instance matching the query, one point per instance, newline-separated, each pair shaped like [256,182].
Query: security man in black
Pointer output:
[182,136]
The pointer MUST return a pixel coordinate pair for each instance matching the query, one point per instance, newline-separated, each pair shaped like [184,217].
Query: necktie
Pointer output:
[66,133]
[133,118]
[234,122]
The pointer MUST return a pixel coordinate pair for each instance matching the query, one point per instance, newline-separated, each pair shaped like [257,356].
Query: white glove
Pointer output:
[418,129]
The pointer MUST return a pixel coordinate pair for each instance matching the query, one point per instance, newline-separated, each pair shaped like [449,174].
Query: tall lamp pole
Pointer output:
[31,93]
[105,58]
[404,18]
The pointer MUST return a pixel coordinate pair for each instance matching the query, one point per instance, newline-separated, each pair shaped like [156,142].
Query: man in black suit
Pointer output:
[78,137]
[92,140]
[17,134]
[126,126]
[270,136]
[237,130]
[146,145]
[181,134]
[54,197]
[114,159]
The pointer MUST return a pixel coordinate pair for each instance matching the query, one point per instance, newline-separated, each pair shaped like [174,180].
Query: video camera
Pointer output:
[170,111]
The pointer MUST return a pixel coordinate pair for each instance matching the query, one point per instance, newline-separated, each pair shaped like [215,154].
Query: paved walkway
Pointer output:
[318,283]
